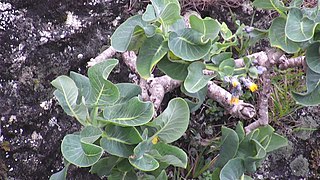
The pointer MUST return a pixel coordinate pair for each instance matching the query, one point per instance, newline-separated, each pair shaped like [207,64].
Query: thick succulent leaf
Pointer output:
[312,79]
[197,98]
[218,58]
[125,135]
[187,44]
[308,99]
[132,113]
[167,11]
[264,131]
[240,131]
[278,37]
[104,166]
[298,27]
[251,163]
[276,142]
[151,52]
[175,70]
[170,14]
[173,122]
[313,57]
[271,5]
[127,92]
[83,84]
[116,147]
[229,146]
[72,150]
[296,3]
[61,175]
[103,91]
[162,176]
[209,27]
[90,134]
[170,154]
[120,175]
[225,32]
[67,94]
[144,163]
[149,15]
[121,38]
[195,79]
[178,25]
[226,67]
[137,39]
[234,169]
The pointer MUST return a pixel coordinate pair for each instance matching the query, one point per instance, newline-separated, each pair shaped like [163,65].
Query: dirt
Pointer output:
[40,40]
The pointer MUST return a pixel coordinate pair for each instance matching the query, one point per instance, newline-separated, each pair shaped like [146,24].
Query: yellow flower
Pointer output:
[155,140]
[234,82]
[234,100]
[253,87]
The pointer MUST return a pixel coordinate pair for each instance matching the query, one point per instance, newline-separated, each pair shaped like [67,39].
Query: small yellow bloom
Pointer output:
[234,100]
[235,83]
[155,140]
[253,87]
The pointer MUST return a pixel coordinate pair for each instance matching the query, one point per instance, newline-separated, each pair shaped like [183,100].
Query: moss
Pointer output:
[300,166]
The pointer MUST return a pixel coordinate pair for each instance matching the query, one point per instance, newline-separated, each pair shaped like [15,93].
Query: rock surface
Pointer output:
[40,40]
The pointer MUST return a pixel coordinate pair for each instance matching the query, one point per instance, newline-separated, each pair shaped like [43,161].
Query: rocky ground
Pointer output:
[40,40]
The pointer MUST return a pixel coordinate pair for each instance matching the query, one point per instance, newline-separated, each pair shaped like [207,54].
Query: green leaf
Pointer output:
[103,91]
[151,52]
[167,11]
[209,27]
[276,142]
[116,148]
[251,163]
[229,146]
[127,92]
[119,175]
[226,67]
[240,131]
[271,5]
[233,170]
[225,32]
[162,176]
[121,38]
[278,37]
[296,3]
[173,122]
[104,166]
[187,44]
[312,79]
[144,163]
[175,70]
[72,150]
[218,58]
[312,57]
[67,94]
[197,98]
[132,113]
[82,83]
[61,175]
[126,135]
[149,15]
[178,25]
[311,98]
[170,154]
[298,27]
[196,80]
[90,134]
[170,14]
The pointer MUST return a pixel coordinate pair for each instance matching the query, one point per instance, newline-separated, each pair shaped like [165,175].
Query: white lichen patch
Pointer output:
[5,6]
[54,122]
[12,119]
[46,105]
[73,21]
[36,136]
